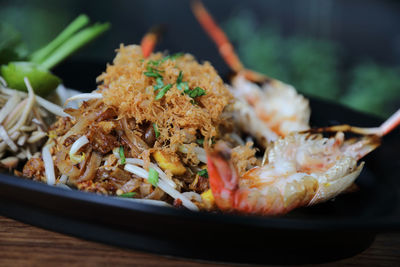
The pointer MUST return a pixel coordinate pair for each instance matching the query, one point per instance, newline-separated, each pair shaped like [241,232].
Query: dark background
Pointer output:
[353,32]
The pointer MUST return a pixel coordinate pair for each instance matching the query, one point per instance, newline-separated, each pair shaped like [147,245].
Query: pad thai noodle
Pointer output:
[142,134]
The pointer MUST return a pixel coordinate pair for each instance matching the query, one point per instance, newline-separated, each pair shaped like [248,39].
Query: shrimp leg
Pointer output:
[225,47]
[149,41]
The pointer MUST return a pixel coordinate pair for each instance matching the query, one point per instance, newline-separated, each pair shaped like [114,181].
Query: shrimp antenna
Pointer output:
[386,127]
[390,124]
[225,47]
[150,40]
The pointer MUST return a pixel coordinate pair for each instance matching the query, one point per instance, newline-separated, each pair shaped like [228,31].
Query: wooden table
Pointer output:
[26,245]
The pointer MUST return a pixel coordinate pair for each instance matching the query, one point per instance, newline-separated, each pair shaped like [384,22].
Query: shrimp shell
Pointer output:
[301,169]
[267,112]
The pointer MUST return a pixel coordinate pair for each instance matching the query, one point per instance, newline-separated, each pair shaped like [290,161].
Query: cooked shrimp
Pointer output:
[277,105]
[300,169]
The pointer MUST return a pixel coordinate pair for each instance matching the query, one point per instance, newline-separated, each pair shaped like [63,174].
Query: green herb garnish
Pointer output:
[163,90]
[154,62]
[183,86]
[180,84]
[155,127]
[129,194]
[195,92]
[200,141]
[158,62]
[152,72]
[37,69]
[180,77]
[176,55]
[153,177]
[122,155]
[171,57]
[203,173]
[159,84]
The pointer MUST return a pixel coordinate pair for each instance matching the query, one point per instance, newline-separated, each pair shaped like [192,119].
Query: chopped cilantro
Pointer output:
[122,155]
[162,91]
[180,77]
[172,57]
[154,62]
[180,84]
[203,173]
[183,86]
[176,55]
[129,194]
[159,84]
[195,92]
[153,72]
[153,177]
[155,127]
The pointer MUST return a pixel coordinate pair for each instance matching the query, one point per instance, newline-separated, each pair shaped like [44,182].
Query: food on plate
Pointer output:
[143,132]
[165,130]
[24,115]
[266,112]
[298,170]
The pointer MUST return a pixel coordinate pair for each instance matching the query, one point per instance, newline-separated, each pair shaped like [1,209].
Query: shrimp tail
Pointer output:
[149,41]
[223,176]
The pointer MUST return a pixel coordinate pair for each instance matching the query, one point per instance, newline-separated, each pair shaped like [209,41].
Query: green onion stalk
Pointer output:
[37,69]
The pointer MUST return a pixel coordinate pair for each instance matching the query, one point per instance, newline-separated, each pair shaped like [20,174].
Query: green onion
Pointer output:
[153,177]
[154,62]
[180,77]
[41,61]
[183,86]
[157,133]
[195,92]
[203,173]
[176,55]
[163,90]
[159,85]
[74,43]
[122,155]
[40,55]
[200,141]
[171,57]
[129,194]
[180,84]
[152,72]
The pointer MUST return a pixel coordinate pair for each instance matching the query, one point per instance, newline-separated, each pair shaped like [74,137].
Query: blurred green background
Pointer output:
[343,51]
[316,66]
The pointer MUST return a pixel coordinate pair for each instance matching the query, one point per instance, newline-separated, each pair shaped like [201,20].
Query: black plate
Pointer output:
[326,232]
